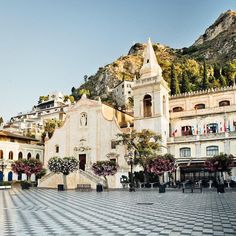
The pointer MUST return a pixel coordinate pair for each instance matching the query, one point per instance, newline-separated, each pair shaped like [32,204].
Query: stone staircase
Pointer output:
[47,176]
[91,176]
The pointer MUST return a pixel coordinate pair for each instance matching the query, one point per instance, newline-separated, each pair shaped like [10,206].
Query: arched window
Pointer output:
[1,154]
[20,155]
[28,155]
[199,106]
[224,103]
[212,150]
[177,109]
[164,105]
[185,152]
[10,156]
[37,156]
[147,106]
[57,149]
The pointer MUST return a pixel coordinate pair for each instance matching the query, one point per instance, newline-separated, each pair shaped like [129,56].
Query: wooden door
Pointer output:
[82,161]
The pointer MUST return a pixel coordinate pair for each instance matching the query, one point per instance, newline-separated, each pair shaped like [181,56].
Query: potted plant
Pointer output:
[160,165]
[65,166]
[219,164]
[104,168]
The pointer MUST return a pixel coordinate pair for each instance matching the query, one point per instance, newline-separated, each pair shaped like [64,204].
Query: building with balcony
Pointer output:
[202,124]
[31,123]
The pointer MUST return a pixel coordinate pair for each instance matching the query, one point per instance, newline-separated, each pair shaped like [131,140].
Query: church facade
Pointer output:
[193,126]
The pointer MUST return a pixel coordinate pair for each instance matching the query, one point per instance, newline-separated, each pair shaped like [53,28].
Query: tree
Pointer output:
[144,144]
[185,86]
[174,83]
[28,167]
[50,126]
[229,71]
[161,164]
[220,163]
[205,82]
[1,120]
[64,165]
[84,91]
[105,168]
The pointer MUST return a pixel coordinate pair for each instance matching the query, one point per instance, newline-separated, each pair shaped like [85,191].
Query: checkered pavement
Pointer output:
[49,212]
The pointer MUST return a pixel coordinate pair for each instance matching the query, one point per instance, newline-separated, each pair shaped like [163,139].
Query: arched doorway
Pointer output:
[10,175]
[19,176]
[1,176]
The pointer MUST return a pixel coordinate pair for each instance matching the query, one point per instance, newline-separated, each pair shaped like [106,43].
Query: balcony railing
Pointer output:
[209,136]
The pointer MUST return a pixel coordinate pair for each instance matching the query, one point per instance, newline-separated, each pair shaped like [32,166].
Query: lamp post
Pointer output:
[130,160]
[3,166]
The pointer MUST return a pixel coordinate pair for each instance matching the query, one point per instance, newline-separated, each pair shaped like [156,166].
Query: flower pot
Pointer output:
[60,187]
[25,185]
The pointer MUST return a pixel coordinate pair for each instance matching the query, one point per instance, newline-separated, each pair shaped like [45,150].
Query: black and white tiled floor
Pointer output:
[49,212]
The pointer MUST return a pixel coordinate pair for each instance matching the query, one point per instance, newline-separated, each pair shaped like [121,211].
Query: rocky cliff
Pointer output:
[216,45]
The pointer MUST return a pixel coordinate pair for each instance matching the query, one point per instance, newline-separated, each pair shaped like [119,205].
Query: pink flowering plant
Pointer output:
[105,168]
[28,167]
[220,163]
[162,164]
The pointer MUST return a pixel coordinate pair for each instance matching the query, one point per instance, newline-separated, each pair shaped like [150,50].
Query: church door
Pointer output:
[82,161]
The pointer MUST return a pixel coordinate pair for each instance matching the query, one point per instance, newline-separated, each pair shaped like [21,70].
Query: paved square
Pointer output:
[49,212]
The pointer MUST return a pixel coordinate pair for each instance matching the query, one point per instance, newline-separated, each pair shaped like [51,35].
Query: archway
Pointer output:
[10,176]
[1,176]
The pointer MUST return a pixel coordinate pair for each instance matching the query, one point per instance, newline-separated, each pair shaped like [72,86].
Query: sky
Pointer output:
[49,45]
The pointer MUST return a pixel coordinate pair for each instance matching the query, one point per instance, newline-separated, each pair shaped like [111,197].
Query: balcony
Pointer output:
[203,137]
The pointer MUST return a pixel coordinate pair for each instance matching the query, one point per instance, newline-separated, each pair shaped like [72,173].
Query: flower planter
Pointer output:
[60,187]
[25,185]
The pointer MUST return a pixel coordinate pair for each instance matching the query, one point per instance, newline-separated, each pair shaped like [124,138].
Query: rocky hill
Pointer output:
[216,45]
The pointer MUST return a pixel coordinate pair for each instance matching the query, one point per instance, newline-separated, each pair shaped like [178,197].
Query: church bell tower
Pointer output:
[151,98]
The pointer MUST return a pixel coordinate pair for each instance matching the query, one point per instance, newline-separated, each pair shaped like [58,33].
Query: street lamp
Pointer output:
[130,160]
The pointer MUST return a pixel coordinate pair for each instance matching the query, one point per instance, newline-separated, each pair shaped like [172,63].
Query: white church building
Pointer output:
[193,127]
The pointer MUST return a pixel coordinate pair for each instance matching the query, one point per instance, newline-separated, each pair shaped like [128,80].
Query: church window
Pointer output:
[147,106]
[57,149]
[164,106]
[28,156]
[185,152]
[212,128]
[20,155]
[224,103]
[83,119]
[199,106]
[212,150]
[147,60]
[1,154]
[177,109]
[10,155]
[37,156]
